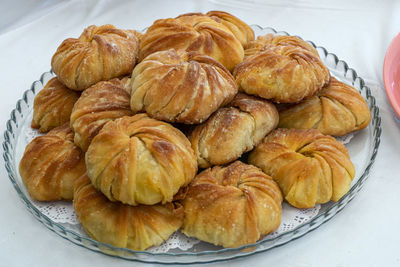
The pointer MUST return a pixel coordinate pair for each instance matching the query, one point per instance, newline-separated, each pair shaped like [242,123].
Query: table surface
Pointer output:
[365,233]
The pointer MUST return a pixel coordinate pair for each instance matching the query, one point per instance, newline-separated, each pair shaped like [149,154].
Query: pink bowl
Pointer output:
[391,74]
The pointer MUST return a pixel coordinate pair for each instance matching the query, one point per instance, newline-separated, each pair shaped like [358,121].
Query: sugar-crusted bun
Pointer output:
[216,34]
[99,104]
[232,206]
[99,54]
[51,164]
[179,86]
[309,167]
[281,71]
[233,130]
[140,160]
[122,225]
[53,105]
[336,110]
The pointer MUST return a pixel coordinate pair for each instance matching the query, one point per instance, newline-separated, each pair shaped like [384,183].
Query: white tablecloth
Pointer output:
[365,233]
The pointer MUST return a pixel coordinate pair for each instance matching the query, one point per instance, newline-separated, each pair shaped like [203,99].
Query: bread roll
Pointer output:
[140,160]
[99,54]
[282,73]
[180,86]
[337,110]
[122,225]
[233,130]
[309,167]
[218,35]
[52,106]
[232,206]
[99,104]
[51,164]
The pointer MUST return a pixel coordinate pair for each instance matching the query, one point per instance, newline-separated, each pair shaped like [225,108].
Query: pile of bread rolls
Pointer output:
[175,129]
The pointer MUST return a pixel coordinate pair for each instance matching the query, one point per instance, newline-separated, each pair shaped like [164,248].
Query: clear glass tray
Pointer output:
[362,148]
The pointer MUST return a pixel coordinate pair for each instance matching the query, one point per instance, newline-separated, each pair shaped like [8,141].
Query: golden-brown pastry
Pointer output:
[52,106]
[180,86]
[140,160]
[336,110]
[264,42]
[309,167]
[216,34]
[122,225]
[242,31]
[232,206]
[233,130]
[99,54]
[281,73]
[51,164]
[97,105]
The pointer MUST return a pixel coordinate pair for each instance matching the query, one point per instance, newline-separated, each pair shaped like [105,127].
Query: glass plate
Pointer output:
[362,148]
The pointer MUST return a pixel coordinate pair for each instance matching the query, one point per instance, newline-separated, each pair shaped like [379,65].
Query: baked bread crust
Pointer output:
[233,130]
[53,105]
[309,167]
[184,87]
[99,54]
[232,206]
[51,164]
[122,225]
[99,104]
[282,73]
[337,109]
[140,160]
[216,34]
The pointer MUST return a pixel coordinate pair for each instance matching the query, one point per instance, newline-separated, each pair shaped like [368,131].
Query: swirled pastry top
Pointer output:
[336,110]
[99,54]
[242,31]
[281,73]
[216,34]
[233,130]
[178,86]
[140,160]
[53,105]
[309,167]
[264,42]
[51,164]
[102,102]
[232,206]
[122,225]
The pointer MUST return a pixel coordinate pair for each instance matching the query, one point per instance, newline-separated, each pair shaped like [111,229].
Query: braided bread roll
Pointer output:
[51,164]
[140,160]
[216,34]
[122,225]
[232,206]
[233,130]
[99,104]
[99,54]
[309,167]
[281,73]
[337,109]
[53,105]
[180,86]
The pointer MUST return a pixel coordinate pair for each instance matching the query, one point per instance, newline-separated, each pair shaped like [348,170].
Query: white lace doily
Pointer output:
[59,212]
[176,240]
[63,212]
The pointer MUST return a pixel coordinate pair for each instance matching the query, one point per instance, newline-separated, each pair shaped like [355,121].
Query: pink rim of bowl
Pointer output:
[391,74]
